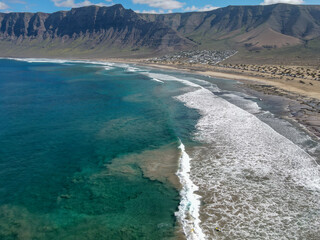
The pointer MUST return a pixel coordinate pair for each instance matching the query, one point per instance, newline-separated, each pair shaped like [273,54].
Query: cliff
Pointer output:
[118,32]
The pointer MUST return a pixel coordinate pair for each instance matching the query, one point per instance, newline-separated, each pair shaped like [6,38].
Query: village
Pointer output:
[206,57]
[216,57]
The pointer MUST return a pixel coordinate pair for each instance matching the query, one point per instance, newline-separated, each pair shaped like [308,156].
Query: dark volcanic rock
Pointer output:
[284,23]
[111,29]
[103,25]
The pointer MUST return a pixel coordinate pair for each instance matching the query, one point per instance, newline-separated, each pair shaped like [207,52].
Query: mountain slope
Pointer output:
[90,28]
[115,31]
[255,26]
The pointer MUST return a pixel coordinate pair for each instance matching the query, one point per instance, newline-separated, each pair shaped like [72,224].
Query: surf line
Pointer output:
[189,207]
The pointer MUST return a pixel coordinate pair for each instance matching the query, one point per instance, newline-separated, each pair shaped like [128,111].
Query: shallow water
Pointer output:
[77,141]
[254,182]
[256,173]
[89,151]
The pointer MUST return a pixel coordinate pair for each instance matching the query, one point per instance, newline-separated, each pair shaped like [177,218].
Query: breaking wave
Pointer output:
[254,183]
[189,207]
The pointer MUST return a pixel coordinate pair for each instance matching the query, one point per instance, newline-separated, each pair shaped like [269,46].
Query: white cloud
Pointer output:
[268,2]
[164,4]
[72,4]
[200,9]
[3,6]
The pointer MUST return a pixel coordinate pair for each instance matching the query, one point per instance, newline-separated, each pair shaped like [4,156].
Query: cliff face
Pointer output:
[273,25]
[110,26]
[116,31]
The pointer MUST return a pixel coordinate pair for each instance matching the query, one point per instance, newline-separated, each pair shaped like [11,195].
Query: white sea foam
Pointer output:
[121,65]
[244,101]
[48,60]
[94,62]
[165,77]
[132,69]
[157,80]
[212,87]
[107,65]
[189,208]
[190,202]
[107,68]
[127,67]
[256,184]
[40,60]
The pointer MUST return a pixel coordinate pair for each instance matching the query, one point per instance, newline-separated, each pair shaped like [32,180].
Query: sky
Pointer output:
[150,6]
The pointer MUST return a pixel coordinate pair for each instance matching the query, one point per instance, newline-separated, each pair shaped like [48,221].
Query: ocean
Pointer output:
[98,150]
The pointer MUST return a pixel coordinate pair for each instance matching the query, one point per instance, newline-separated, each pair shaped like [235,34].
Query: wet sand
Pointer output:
[301,109]
[303,106]
[291,84]
[304,95]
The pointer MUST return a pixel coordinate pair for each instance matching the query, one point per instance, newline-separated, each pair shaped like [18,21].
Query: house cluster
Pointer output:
[209,57]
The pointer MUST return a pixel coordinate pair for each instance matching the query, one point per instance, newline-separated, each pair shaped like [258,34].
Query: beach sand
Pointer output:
[303,106]
[303,94]
[307,88]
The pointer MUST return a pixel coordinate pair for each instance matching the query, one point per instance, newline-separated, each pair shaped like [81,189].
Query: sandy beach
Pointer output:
[302,95]
[308,88]
[232,154]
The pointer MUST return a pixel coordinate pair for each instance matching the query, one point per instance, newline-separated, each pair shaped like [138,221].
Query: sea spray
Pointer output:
[157,80]
[257,184]
[189,207]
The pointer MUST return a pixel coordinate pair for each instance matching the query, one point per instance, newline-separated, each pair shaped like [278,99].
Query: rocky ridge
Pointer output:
[95,31]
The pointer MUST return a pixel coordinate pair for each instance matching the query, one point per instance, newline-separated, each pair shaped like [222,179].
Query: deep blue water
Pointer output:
[61,127]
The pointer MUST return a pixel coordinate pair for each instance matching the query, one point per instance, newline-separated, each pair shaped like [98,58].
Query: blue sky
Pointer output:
[157,6]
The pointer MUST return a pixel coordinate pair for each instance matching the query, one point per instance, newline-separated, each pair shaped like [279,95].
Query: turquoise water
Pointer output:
[64,130]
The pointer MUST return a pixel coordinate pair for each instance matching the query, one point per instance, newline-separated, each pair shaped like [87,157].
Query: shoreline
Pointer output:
[303,106]
[250,84]
[293,85]
[309,91]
